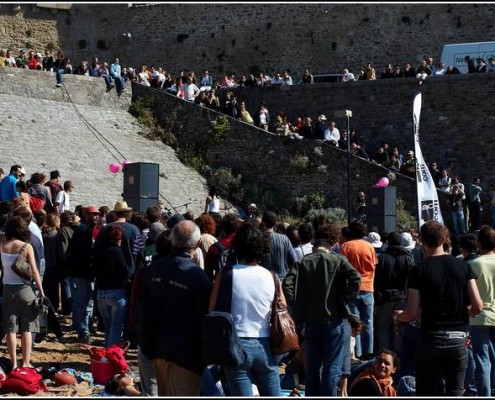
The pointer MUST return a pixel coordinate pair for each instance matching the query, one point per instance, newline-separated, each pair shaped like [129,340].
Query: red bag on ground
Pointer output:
[23,381]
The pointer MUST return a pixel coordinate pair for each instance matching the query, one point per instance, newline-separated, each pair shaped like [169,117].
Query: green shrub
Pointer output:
[189,154]
[228,185]
[337,215]
[219,131]
[405,220]
[300,164]
[51,46]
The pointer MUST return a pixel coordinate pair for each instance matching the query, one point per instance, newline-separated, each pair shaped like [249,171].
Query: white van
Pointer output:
[453,54]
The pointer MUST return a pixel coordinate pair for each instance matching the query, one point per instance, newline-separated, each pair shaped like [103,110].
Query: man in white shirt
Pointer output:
[10,60]
[286,78]
[332,134]
[190,90]
[347,76]
[62,201]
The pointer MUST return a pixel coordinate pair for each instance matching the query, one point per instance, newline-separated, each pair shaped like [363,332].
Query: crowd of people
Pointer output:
[374,311]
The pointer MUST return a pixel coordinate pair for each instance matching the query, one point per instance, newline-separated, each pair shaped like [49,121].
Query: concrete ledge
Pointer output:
[80,89]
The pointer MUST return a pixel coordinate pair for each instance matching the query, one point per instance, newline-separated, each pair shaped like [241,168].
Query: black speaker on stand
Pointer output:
[141,185]
[381,208]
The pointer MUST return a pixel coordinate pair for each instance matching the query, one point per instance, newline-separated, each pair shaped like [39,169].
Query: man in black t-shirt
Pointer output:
[442,293]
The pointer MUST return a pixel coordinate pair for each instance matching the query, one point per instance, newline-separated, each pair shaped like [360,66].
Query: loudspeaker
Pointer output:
[381,208]
[384,223]
[141,182]
[381,201]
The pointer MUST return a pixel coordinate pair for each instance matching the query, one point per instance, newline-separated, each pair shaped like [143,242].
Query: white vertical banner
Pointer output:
[428,204]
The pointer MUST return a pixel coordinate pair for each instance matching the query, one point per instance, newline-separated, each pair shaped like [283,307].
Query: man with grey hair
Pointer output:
[175,297]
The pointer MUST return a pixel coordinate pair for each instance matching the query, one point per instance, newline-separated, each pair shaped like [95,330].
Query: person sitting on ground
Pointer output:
[377,379]
[122,385]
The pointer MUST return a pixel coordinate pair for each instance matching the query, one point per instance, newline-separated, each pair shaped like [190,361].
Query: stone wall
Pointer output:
[265,160]
[245,37]
[455,126]
[82,90]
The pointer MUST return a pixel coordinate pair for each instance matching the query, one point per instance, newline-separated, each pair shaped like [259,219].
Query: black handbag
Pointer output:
[221,344]
[21,266]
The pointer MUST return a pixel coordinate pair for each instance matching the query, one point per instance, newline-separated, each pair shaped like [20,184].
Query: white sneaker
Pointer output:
[59,85]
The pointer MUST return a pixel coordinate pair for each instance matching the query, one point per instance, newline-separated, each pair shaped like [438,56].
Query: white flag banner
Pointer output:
[428,204]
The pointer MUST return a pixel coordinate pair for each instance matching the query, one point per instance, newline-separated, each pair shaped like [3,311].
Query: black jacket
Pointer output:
[175,297]
[391,273]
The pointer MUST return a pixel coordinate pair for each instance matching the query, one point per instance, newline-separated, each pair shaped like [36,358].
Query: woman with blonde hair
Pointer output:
[19,312]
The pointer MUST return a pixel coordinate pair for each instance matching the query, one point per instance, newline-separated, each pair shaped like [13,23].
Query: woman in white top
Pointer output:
[19,313]
[212,205]
[253,291]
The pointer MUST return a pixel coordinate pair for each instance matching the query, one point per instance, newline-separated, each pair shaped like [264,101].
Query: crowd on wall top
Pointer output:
[203,90]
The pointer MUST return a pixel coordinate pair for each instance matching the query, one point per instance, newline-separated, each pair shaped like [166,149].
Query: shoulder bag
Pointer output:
[221,344]
[21,266]
[283,335]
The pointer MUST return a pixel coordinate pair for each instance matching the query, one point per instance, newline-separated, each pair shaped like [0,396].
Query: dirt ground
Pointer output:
[70,355]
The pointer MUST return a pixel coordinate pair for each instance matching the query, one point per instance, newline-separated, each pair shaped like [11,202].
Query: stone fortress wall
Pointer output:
[241,38]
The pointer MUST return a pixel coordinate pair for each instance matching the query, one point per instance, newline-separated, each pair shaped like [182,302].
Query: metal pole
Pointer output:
[349,203]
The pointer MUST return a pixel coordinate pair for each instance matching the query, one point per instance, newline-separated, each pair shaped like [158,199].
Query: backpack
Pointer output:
[23,381]
[225,256]
[37,200]
[36,203]
[221,343]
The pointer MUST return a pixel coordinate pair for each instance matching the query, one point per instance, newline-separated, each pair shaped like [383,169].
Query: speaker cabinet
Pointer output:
[384,223]
[141,185]
[381,208]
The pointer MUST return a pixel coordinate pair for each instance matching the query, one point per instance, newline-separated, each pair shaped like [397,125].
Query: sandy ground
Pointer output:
[70,355]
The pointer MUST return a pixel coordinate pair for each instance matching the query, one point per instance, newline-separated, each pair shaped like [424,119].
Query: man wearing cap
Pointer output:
[362,256]
[81,274]
[132,242]
[409,166]
[54,183]
[391,273]
[21,61]
[7,185]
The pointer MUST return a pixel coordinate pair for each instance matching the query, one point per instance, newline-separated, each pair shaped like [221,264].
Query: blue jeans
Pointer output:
[260,367]
[119,83]
[470,379]
[111,304]
[108,81]
[440,358]
[483,342]
[458,222]
[362,306]
[326,343]
[60,72]
[82,306]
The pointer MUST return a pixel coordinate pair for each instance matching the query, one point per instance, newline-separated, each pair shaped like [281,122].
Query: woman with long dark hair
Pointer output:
[19,312]
[253,291]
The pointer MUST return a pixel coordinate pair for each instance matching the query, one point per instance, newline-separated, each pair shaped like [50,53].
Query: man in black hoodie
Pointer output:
[392,270]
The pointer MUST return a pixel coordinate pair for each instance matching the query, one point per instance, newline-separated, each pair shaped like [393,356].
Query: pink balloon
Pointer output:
[114,168]
[383,182]
[125,162]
